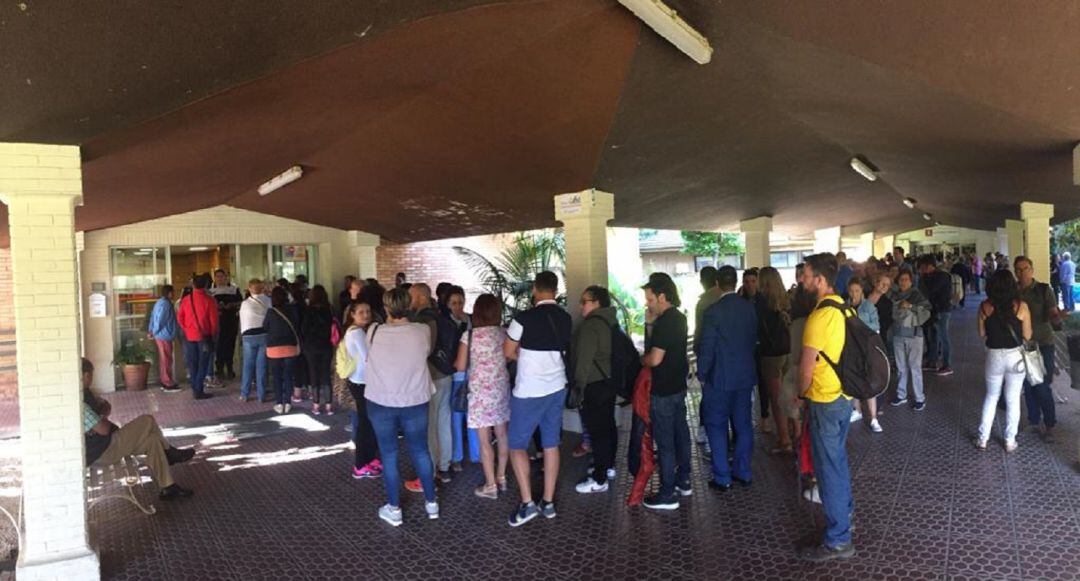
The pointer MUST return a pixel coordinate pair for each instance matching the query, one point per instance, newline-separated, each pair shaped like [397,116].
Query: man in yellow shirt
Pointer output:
[829,409]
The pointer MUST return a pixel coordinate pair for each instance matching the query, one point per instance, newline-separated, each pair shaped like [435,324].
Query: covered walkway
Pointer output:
[275,500]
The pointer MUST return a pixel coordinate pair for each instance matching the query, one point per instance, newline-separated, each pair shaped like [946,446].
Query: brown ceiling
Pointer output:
[419,120]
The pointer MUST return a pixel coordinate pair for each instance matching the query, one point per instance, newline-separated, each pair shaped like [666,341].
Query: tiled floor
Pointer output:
[275,501]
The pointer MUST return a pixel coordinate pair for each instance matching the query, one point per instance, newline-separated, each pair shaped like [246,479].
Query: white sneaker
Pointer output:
[812,494]
[391,514]
[589,486]
[610,474]
[856,416]
[279,408]
[432,509]
[702,437]
[875,426]
[288,407]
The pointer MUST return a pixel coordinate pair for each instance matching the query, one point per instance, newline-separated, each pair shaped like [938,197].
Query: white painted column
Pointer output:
[866,247]
[363,247]
[1037,225]
[41,185]
[827,240]
[1002,241]
[756,233]
[584,216]
[884,245]
[1014,232]
[985,242]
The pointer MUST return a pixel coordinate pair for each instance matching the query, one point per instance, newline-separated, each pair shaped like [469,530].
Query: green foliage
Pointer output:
[630,310]
[132,353]
[1066,237]
[510,275]
[713,244]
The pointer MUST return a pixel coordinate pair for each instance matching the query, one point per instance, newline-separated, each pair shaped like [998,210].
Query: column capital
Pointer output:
[759,224]
[590,203]
[1035,211]
[360,238]
[1010,223]
[31,171]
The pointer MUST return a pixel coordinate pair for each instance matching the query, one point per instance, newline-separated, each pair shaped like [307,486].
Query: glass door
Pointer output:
[291,260]
[252,261]
[138,274]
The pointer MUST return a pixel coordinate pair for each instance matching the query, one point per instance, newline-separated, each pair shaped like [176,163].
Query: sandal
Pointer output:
[783,449]
[501,484]
[491,492]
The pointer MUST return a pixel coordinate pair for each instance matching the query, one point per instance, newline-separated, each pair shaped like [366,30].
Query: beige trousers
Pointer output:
[141,436]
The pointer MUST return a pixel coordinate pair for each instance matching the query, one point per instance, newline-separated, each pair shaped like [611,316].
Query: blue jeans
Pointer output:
[829,424]
[413,421]
[942,345]
[718,409]
[672,435]
[281,373]
[198,365]
[1067,297]
[1040,398]
[458,423]
[254,365]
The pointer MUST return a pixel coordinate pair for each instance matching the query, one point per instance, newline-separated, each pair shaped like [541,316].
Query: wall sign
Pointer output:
[929,232]
[98,305]
[570,204]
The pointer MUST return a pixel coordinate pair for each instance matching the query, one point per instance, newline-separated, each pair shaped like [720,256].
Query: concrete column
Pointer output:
[1002,241]
[41,185]
[363,247]
[756,233]
[884,245]
[1014,232]
[827,240]
[1037,224]
[584,216]
[866,247]
[985,243]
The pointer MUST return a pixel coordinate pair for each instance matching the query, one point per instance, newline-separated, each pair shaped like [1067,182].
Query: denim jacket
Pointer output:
[163,320]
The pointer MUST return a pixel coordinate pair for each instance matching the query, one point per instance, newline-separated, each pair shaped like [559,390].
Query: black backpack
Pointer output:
[444,352]
[625,362]
[863,367]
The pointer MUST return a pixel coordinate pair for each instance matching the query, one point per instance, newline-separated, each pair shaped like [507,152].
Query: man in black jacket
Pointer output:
[936,286]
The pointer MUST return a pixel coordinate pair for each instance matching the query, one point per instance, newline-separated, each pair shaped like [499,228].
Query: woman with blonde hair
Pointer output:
[774,344]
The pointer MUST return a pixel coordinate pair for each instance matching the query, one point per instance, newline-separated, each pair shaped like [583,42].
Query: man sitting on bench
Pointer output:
[108,443]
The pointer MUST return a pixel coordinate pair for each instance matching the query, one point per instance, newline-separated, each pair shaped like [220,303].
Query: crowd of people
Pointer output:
[413,364]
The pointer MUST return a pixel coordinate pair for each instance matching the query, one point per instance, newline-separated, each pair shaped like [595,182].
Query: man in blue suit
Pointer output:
[728,375]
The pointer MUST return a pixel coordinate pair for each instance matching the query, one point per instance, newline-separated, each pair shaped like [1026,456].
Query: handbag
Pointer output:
[1034,366]
[285,351]
[460,402]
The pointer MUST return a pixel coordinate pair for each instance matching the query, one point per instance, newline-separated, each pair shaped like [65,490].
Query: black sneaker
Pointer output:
[821,553]
[896,401]
[171,388]
[920,406]
[525,512]
[203,395]
[657,502]
[547,509]
[178,455]
[175,491]
[719,487]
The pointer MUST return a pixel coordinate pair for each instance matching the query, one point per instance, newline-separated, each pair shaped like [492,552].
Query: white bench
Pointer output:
[119,480]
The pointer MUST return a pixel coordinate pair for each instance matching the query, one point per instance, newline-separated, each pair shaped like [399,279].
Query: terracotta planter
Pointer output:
[135,376]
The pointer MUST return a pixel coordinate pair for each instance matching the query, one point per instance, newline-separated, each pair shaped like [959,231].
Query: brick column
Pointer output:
[41,185]
[1037,223]
[1014,233]
[827,240]
[756,234]
[584,216]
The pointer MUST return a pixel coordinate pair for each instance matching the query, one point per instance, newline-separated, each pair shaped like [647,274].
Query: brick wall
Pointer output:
[8,377]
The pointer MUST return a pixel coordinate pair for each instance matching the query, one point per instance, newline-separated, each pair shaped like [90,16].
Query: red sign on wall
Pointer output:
[929,232]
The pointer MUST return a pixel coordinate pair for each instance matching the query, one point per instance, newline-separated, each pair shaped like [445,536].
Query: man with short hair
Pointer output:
[665,354]
[538,339]
[228,299]
[1067,274]
[829,409]
[1044,314]
[440,417]
[707,277]
[728,372]
[936,286]
[109,443]
[162,329]
[198,318]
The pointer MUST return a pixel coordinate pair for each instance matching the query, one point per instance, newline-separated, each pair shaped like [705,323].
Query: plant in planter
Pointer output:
[133,358]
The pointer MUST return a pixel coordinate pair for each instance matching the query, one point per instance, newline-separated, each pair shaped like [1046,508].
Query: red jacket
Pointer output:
[198,316]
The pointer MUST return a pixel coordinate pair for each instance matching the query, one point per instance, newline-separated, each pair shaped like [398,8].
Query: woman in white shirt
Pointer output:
[398,388]
[253,338]
[366,463]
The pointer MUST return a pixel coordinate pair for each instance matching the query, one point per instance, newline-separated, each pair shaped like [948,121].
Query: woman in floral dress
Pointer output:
[481,353]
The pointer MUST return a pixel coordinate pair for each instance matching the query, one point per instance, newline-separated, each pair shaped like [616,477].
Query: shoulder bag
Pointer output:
[1034,366]
[284,351]
[206,343]
[460,402]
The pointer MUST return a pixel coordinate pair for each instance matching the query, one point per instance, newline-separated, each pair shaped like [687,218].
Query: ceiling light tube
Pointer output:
[662,19]
[198,248]
[910,202]
[928,216]
[862,169]
[281,180]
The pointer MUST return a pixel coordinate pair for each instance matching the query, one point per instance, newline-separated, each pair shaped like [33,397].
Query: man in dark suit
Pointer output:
[727,373]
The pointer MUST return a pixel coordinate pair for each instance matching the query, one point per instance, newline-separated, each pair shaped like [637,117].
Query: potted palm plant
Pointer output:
[133,358]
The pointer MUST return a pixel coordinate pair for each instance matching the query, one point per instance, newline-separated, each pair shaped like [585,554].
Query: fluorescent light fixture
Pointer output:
[140,253]
[910,202]
[281,180]
[862,169]
[146,250]
[662,19]
[928,216]
[938,224]
[198,248]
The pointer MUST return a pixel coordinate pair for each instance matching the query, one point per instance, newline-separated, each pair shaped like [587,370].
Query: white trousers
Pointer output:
[1004,370]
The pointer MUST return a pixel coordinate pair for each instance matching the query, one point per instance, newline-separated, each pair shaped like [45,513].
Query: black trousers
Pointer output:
[367,448]
[318,366]
[598,414]
[225,349]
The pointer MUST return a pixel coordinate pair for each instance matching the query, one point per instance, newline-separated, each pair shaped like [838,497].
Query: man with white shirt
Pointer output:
[538,339]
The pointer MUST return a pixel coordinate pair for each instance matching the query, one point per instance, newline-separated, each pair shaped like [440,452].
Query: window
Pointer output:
[788,259]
